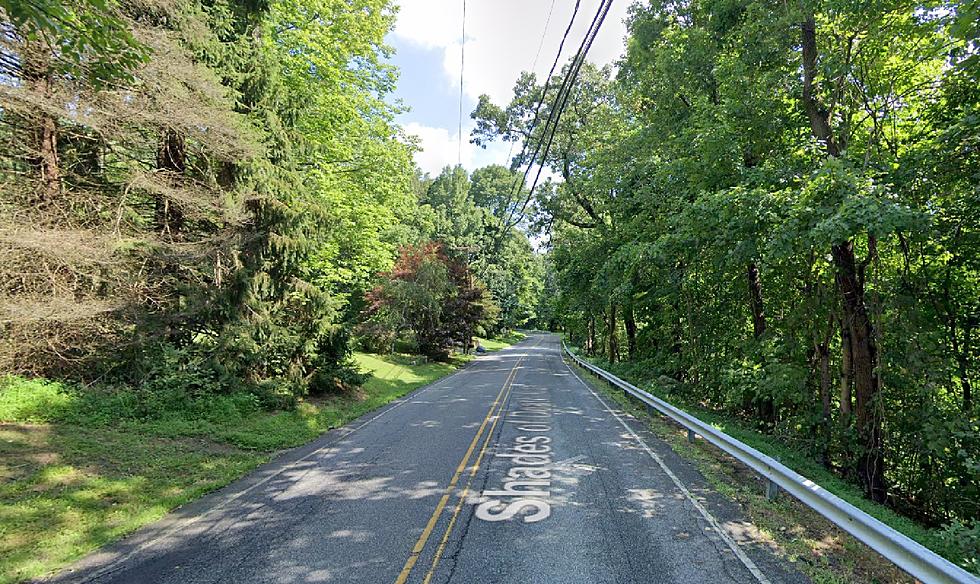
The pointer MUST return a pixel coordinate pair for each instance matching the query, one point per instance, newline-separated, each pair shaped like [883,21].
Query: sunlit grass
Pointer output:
[501,342]
[68,489]
[75,474]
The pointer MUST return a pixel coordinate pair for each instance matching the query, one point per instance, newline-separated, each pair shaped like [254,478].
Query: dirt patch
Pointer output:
[799,533]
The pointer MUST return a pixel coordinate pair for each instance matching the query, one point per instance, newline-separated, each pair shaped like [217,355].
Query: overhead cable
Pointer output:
[554,115]
[560,107]
[462,68]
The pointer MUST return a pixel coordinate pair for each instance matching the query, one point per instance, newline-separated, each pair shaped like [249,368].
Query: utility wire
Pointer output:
[561,108]
[462,67]
[516,189]
[547,85]
[566,85]
[554,115]
[544,34]
[534,63]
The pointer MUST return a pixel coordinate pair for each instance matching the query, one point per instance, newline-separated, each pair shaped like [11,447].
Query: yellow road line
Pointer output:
[465,492]
[469,481]
[424,537]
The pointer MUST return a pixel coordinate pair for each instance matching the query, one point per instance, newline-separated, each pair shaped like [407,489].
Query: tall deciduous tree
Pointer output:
[777,197]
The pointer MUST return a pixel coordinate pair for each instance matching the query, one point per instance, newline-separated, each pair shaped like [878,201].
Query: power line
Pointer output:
[544,33]
[516,189]
[462,67]
[547,82]
[534,63]
[555,114]
[561,108]
[566,85]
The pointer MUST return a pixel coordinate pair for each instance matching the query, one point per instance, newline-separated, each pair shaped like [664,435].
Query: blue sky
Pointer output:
[424,86]
[502,38]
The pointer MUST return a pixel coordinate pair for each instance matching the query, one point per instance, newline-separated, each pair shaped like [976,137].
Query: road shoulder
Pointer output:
[783,528]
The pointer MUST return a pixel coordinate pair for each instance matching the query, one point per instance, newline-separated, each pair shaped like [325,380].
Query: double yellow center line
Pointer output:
[495,407]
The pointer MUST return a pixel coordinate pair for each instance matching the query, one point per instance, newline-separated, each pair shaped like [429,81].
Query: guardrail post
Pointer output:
[919,562]
[690,436]
[772,490]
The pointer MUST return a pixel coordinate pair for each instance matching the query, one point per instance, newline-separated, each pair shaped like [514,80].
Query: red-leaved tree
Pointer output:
[430,294]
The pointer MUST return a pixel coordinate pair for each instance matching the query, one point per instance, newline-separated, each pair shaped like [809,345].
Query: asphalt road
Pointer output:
[511,470]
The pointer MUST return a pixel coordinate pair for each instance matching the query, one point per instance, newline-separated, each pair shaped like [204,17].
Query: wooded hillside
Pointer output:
[771,211]
[214,187]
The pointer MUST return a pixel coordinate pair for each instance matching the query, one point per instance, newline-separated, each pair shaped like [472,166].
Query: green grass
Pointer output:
[69,489]
[79,469]
[826,553]
[502,341]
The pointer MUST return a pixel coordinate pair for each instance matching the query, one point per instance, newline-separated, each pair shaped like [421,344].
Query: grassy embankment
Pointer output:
[80,469]
[501,341]
[800,535]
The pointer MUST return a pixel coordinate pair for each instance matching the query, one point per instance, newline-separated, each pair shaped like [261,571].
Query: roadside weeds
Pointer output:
[69,485]
[797,534]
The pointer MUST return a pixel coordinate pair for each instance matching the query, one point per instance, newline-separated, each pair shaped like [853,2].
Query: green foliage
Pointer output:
[711,233]
[962,540]
[469,216]
[431,295]
[332,187]
[256,178]
[88,36]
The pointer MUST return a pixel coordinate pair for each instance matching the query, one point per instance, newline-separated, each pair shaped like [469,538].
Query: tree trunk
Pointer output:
[766,407]
[823,366]
[755,301]
[963,363]
[967,388]
[863,348]
[965,371]
[590,340]
[846,374]
[961,351]
[44,135]
[677,346]
[613,340]
[822,356]
[48,163]
[171,158]
[819,117]
[870,464]
[629,319]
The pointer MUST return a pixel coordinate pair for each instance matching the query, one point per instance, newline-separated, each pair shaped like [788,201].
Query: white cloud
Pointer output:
[440,148]
[502,37]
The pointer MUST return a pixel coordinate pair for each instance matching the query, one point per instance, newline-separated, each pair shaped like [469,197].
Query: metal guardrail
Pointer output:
[921,563]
